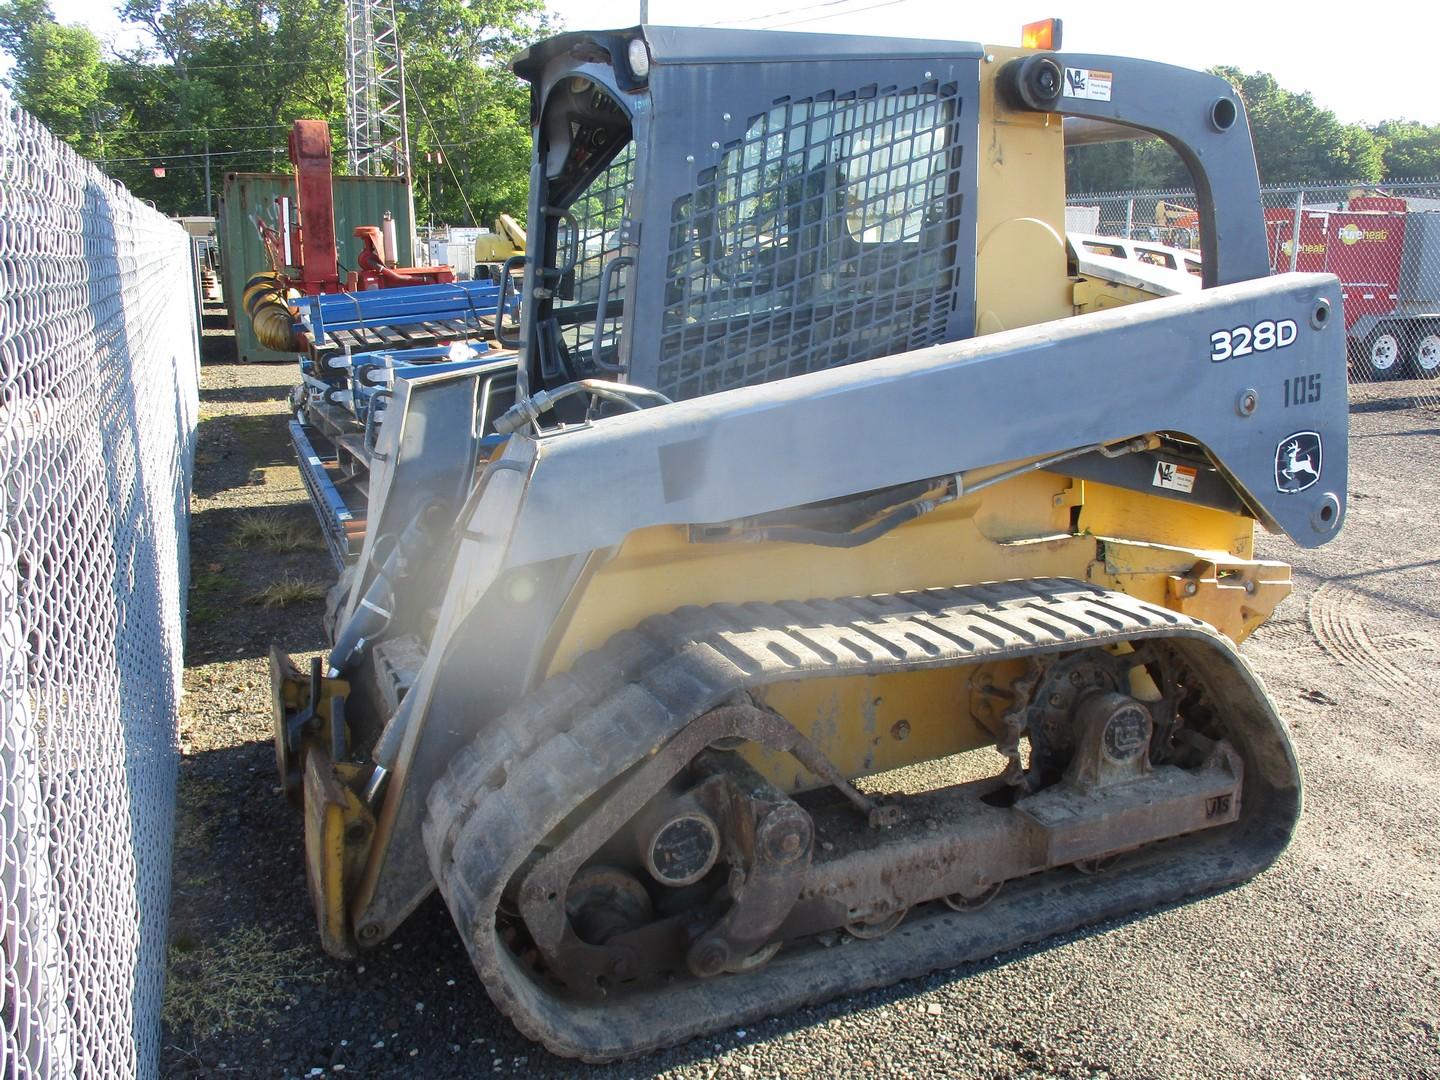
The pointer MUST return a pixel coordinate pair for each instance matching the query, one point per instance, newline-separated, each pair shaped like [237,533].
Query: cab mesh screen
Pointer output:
[825,236]
[598,214]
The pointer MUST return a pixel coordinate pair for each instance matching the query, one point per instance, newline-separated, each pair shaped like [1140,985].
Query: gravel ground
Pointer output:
[1328,965]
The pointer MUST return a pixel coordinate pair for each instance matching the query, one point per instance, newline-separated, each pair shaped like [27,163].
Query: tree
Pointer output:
[1411,151]
[58,74]
[1297,140]
[225,78]
[1143,164]
[468,112]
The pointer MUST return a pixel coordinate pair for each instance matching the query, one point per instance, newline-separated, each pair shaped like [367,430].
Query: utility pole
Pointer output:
[208,205]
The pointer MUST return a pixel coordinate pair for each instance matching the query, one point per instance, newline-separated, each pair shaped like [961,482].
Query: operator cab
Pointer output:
[818,218]
[588,159]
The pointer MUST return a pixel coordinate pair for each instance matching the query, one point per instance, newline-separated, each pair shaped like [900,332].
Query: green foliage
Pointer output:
[1296,141]
[229,76]
[1122,166]
[1409,150]
[58,74]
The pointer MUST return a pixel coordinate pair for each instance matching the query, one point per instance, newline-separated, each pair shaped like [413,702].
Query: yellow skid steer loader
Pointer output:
[844,556]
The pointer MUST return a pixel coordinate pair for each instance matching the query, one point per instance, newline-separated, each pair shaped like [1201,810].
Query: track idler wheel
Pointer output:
[961,902]
[878,927]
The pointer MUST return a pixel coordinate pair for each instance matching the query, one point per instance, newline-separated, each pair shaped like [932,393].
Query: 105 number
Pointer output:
[1265,335]
[1302,390]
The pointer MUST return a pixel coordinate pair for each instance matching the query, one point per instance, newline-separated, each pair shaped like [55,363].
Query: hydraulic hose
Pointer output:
[905,507]
[528,410]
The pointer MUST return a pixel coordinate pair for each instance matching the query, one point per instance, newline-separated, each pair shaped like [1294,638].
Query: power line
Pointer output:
[189,130]
[125,133]
[166,156]
[458,186]
[777,14]
[836,15]
[181,64]
[159,158]
[229,166]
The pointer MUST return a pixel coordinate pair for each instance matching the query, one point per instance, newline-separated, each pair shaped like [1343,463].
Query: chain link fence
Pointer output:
[1382,242]
[98,403]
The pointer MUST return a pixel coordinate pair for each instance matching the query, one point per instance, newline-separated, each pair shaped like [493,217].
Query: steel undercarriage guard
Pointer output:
[799,323]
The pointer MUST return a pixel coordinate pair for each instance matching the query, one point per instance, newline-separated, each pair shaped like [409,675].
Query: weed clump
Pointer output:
[233,983]
[274,532]
[287,591]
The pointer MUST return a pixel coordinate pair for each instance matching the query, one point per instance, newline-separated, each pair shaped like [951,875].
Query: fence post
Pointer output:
[1129,217]
[1295,228]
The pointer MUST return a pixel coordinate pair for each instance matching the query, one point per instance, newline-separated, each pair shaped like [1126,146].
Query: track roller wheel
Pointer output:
[878,927]
[961,902]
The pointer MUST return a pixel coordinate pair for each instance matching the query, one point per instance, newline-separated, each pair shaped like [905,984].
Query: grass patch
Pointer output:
[287,591]
[192,818]
[273,531]
[211,594]
[234,983]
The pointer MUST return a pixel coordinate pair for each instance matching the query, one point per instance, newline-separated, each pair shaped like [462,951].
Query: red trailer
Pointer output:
[1387,258]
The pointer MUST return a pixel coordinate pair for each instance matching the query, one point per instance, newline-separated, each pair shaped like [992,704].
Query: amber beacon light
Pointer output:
[1044,34]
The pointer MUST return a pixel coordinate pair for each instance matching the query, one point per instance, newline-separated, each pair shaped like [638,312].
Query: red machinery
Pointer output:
[303,250]
[1387,258]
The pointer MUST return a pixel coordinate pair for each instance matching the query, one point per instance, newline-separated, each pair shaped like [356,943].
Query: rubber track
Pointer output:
[525,774]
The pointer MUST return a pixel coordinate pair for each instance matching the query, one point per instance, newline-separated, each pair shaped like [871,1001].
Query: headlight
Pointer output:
[639,57]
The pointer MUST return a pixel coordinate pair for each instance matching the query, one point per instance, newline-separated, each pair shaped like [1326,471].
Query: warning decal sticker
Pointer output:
[1174,476]
[1087,83]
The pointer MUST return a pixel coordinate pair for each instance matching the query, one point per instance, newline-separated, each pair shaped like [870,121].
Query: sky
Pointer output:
[1367,64]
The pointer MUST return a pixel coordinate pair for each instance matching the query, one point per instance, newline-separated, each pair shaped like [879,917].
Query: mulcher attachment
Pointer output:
[625,880]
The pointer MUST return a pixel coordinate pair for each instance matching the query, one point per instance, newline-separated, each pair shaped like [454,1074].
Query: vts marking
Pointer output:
[1217,806]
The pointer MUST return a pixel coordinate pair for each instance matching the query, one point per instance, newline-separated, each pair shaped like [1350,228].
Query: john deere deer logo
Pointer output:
[1297,461]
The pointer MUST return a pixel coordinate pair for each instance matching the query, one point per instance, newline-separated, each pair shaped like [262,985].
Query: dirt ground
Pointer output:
[1328,965]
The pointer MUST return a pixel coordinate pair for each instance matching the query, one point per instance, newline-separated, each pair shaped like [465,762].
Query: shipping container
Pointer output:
[359,200]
